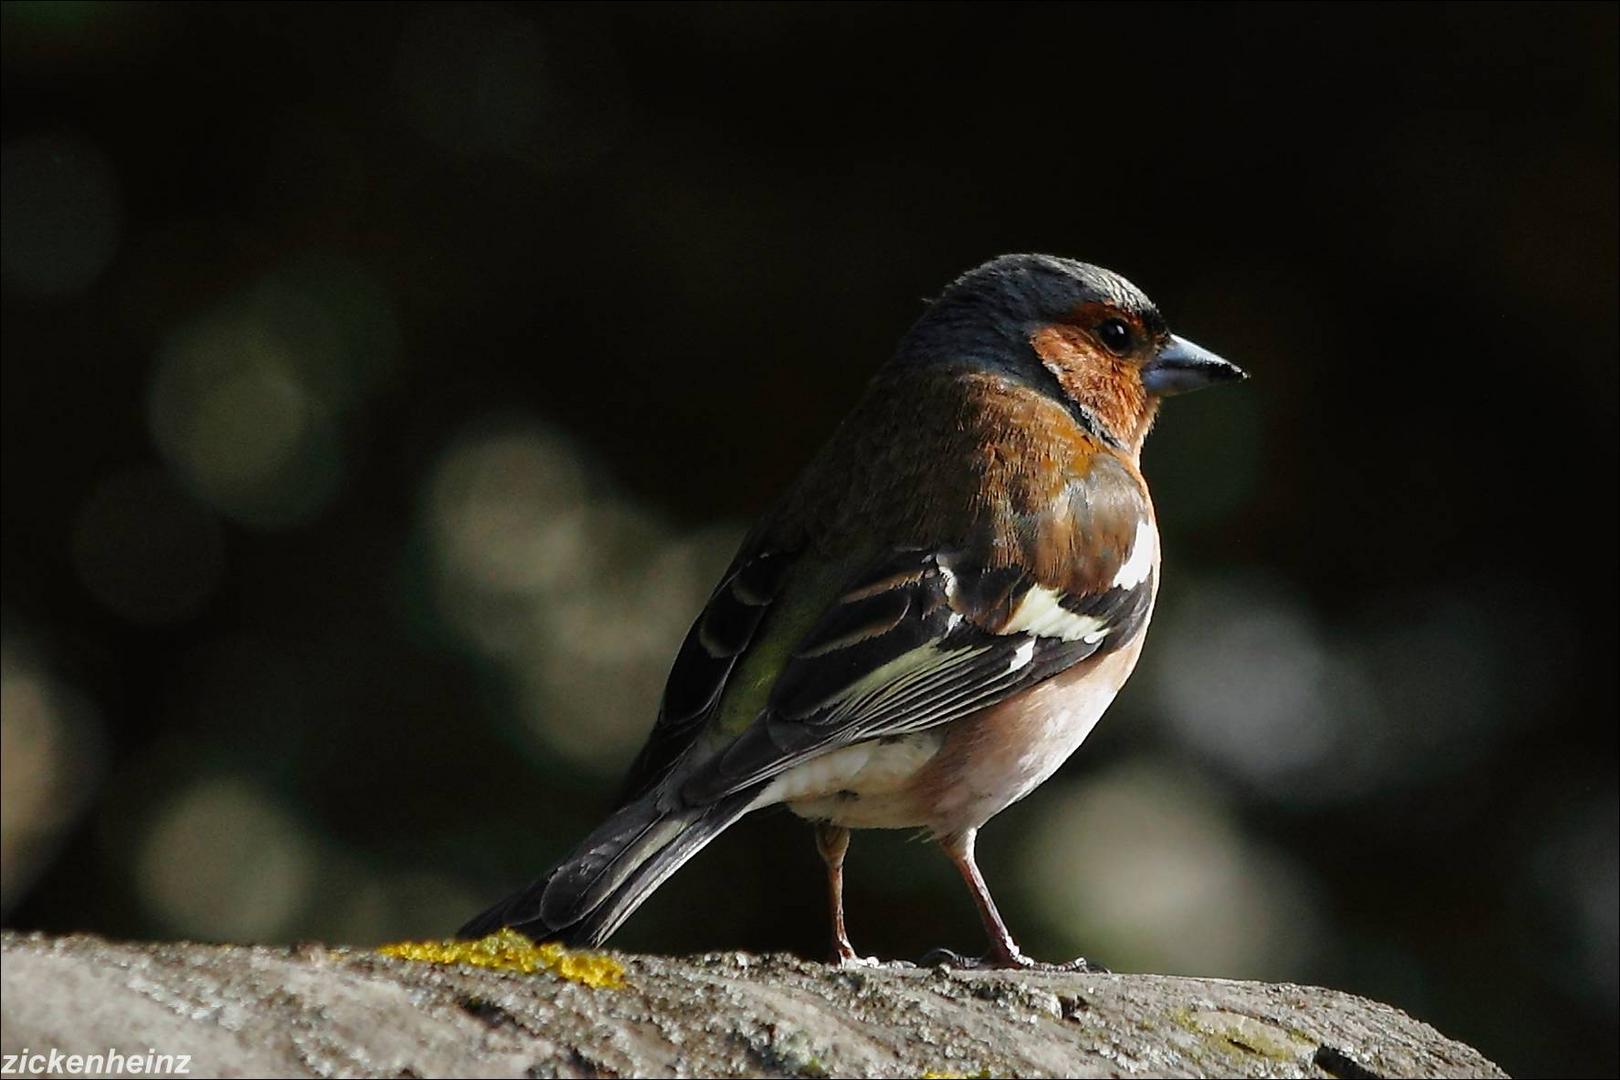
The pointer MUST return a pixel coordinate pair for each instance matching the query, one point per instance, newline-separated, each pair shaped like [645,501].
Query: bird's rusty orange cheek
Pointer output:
[1107,385]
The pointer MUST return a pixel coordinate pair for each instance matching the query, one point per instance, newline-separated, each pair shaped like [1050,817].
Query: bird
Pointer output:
[934,615]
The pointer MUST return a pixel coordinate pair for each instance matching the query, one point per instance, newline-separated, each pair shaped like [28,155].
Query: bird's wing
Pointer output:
[919,640]
[717,641]
[793,656]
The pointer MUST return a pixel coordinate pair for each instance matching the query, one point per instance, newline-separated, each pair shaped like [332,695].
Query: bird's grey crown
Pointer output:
[990,312]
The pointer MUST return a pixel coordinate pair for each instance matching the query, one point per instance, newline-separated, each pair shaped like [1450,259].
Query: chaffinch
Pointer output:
[934,616]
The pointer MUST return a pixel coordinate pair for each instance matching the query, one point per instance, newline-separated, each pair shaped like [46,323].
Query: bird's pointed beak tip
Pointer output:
[1182,366]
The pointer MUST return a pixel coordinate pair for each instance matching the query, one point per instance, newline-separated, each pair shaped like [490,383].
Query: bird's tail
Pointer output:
[587,895]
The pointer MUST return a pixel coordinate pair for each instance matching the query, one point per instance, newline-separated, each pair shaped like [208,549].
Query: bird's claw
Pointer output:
[1078,964]
[855,960]
[1015,961]
[946,958]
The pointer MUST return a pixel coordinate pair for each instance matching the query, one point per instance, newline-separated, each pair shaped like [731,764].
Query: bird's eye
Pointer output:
[1115,335]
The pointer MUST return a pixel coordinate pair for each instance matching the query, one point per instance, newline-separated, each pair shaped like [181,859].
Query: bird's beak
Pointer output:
[1182,366]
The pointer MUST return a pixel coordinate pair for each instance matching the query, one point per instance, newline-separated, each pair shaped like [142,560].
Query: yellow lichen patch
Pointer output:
[592,969]
[508,950]
[983,1074]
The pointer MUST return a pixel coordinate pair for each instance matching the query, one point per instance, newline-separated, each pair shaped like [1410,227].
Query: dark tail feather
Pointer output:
[586,896]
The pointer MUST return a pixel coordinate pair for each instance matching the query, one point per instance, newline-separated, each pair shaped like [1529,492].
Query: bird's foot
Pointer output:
[853,960]
[1011,961]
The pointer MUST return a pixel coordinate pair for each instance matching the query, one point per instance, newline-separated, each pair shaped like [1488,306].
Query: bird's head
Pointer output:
[1075,331]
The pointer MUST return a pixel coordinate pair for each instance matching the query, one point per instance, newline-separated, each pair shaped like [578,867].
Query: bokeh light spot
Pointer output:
[249,402]
[507,510]
[578,595]
[50,760]
[1155,866]
[223,860]
[1244,676]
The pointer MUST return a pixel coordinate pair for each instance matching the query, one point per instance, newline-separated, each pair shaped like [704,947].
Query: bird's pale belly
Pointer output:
[960,776]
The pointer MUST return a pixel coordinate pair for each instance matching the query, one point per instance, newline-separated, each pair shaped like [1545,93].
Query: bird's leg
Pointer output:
[833,841]
[1004,951]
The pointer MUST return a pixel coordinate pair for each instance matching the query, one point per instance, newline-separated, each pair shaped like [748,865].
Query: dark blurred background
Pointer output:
[384,388]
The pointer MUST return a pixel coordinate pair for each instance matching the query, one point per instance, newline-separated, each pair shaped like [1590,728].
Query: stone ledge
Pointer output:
[312,1010]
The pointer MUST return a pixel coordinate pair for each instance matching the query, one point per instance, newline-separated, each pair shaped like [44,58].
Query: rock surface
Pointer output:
[317,1011]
